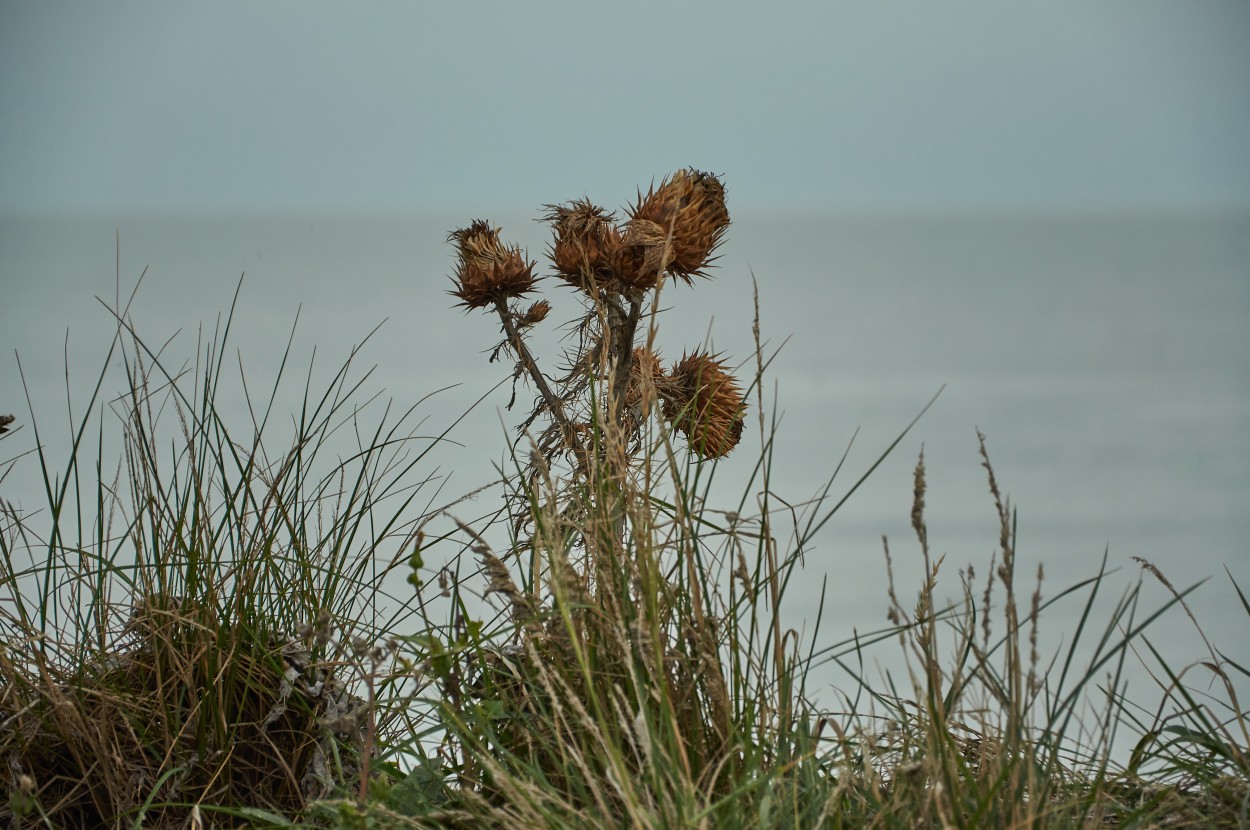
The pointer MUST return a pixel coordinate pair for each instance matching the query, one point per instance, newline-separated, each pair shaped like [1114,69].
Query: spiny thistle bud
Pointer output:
[692,205]
[488,270]
[585,236]
[705,404]
[640,259]
[534,315]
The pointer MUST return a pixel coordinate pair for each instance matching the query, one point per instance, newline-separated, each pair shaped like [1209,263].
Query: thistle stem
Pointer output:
[625,355]
[531,366]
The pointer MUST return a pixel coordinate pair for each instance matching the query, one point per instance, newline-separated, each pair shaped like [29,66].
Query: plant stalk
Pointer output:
[531,366]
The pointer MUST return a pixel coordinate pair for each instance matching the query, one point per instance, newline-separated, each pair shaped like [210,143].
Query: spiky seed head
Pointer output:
[644,372]
[585,236]
[642,256]
[692,204]
[705,404]
[534,315]
[487,269]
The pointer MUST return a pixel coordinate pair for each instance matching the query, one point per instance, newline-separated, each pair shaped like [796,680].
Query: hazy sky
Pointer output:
[377,106]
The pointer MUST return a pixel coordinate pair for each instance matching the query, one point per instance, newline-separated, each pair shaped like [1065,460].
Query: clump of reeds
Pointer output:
[988,730]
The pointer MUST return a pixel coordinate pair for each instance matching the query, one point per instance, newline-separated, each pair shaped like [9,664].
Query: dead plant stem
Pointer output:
[531,366]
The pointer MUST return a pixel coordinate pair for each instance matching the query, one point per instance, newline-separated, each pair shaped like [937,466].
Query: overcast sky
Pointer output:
[294,106]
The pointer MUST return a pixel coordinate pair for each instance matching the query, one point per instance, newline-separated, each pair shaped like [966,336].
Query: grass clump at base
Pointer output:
[608,649]
[165,648]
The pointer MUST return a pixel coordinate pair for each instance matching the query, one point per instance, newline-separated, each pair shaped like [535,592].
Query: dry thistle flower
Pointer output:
[488,270]
[692,204]
[534,315]
[705,404]
[645,364]
[585,237]
[5,420]
[642,256]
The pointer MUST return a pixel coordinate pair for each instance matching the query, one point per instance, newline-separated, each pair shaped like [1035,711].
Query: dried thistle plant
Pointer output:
[672,230]
[615,593]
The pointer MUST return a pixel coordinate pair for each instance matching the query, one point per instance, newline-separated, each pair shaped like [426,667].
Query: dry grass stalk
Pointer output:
[644,371]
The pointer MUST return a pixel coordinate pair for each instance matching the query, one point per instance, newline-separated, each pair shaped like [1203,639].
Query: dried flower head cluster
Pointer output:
[672,230]
[487,269]
[703,401]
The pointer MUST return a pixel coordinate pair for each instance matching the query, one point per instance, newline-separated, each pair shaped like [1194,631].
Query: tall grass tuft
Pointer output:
[182,635]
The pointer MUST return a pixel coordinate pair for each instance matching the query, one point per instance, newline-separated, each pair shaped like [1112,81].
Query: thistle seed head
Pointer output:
[585,237]
[642,256]
[705,404]
[534,315]
[645,365]
[487,269]
[692,204]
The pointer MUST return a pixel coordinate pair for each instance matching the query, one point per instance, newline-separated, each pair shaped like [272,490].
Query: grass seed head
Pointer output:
[705,403]
[487,269]
[692,204]
[499,581]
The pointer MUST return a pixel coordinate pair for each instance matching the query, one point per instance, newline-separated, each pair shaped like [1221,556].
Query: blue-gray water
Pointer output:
[1105,357]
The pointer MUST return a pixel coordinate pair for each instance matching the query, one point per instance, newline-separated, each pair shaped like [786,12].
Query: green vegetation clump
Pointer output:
[220,635]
